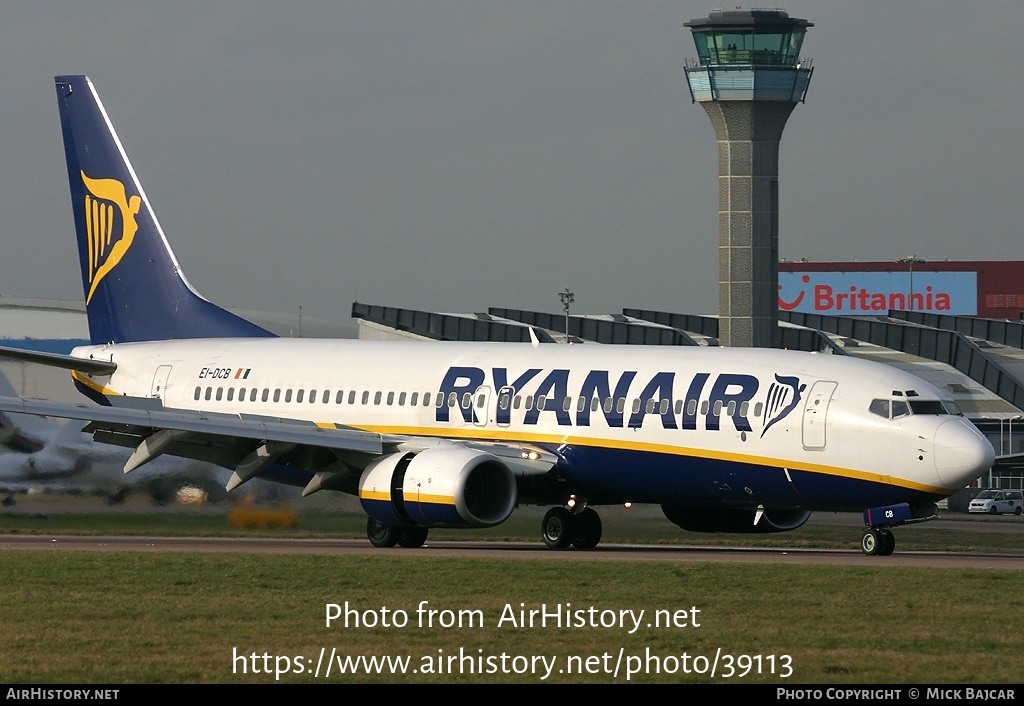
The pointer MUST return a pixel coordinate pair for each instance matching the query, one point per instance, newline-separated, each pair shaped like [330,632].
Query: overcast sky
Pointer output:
[455,155]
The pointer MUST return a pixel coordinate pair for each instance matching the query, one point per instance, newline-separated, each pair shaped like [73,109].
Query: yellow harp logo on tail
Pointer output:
[105,247]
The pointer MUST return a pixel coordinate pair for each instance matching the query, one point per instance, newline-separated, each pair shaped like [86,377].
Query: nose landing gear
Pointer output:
[878,541]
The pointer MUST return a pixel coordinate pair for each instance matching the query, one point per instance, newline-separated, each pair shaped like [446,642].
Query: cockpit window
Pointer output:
[895,409]
[900,409]
[927,407]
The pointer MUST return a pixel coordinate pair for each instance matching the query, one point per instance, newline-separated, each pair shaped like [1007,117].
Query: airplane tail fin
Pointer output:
[134,288]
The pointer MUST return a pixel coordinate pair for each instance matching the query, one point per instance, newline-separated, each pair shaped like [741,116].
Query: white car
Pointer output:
[997,502]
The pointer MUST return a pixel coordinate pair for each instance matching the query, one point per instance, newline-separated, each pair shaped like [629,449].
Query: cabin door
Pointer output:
[159,389]
[815,413]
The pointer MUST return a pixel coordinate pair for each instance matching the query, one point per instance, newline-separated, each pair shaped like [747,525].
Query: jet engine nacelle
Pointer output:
[438,487]
[711,519]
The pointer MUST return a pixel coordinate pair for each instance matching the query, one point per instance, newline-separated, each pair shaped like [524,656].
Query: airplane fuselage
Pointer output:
[738,427]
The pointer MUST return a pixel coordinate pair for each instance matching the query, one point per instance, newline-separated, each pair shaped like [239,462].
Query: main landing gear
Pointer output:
[386,536]
[563,528]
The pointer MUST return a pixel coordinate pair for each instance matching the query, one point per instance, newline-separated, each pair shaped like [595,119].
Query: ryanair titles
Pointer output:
[612,397]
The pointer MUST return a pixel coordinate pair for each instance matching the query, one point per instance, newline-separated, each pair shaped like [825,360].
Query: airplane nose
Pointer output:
[962,453]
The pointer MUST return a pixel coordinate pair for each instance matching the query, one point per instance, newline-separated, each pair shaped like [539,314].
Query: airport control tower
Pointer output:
[748,77]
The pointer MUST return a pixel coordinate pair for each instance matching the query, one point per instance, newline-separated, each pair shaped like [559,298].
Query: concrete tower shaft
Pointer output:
[748,135]
[748,78]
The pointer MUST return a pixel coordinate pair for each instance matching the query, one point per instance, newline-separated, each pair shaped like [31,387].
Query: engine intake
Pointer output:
[724,519]
[438,487]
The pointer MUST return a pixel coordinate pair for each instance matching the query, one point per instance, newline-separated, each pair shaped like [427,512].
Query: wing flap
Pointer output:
[211,426]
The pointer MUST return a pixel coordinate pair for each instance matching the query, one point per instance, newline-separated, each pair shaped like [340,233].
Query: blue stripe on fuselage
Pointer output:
[619,475]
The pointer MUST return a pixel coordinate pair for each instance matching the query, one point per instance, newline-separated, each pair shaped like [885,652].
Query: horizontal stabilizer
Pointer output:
[56,360]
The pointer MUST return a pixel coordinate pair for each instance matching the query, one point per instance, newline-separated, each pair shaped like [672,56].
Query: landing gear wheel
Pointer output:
[380,534]
[412,537]
[557,528]
[871,543]
[586,529]
[888,543]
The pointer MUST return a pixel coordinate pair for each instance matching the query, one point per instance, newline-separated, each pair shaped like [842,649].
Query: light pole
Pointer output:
[909,261]
[567,298]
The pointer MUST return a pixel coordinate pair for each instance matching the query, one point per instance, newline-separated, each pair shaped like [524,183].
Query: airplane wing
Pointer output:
[250,444]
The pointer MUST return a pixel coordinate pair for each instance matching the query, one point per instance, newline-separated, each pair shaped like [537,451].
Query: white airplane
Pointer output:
[432,434]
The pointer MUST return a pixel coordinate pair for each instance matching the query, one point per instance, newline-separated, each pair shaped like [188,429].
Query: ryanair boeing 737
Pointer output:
[447,434]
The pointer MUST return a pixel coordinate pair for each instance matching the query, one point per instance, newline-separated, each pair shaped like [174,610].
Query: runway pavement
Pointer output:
[510,550]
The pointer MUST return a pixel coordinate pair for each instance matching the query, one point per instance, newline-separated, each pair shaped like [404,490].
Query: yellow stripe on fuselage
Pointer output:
[521,437]
[92,384]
